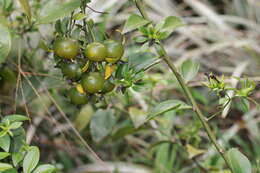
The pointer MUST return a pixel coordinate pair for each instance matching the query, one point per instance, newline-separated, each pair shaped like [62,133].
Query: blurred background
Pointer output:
[222,36]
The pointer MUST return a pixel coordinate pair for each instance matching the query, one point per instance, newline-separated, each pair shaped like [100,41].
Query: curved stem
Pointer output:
[187,92]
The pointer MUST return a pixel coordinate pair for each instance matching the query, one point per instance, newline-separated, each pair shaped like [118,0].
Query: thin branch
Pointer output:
[96,10]
[19,74]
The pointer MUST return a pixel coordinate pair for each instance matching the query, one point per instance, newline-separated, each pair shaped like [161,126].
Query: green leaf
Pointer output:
[171,23]
[79,16]
[5,142]
[5,166]
[54,10]
[5,42]
[167,26]
[16,149]
[44,46]
[4,155]
[189,69]
[124,131]
[142,60]
[31,159]
[12,170]
[26,8]
[193,152]
[47,168]
[15,125]
[15,118]
[101,124]
[137,116]
[167,106]
[238,161]
[222,171]
[133,22]
[140,39]
[84,117]
[244,104]
[17,157]
[3,133]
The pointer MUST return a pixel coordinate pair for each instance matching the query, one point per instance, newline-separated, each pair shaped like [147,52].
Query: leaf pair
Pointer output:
[161,31]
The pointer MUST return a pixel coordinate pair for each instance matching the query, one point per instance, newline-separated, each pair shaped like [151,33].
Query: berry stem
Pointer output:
[87,28]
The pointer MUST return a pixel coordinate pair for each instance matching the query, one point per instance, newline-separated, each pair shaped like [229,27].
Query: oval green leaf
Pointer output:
[137,116]
[189,69]
[133,22]
[167,106]
[5,142]
[101,124]
[47,168]
[54,10]
[79,16]
[12,170]
[5,166]
[26,8]
[15,118]
[238,161]
[4,155]
[31,159]
[167,26]
[5,42]
[84,117]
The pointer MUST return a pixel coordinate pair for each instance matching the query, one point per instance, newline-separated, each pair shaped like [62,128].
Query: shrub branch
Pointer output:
[166,58]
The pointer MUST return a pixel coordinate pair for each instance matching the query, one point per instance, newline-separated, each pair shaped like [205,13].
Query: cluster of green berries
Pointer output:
[86,81]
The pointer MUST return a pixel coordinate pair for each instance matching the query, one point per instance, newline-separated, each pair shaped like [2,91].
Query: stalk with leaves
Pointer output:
[152,35]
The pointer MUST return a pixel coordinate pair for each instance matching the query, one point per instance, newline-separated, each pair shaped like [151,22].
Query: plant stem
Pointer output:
[140,6]
[91,32]
[187,92]
[85,26]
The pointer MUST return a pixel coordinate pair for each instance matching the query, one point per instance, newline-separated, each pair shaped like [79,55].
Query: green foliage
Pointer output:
[5,142]
[5,42]
[5,166]
[247,87]
[137,116]
[167,26]
[145,106]
[22,155]
[102,124]
[83,117]
[189,69]
[4,155]
[53,11]
[46,168]
[133,22]
[142,60]
[167,106]
[79,16]
[161,31]
[31,159]
[27,9]
[239,162]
